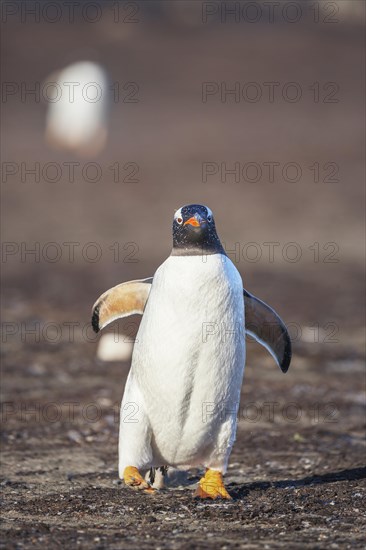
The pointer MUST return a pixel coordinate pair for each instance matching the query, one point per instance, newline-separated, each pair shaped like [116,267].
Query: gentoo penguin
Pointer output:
[182,394]
[78,107]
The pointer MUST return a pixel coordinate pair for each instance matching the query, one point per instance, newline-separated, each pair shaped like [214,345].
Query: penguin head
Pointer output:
[194,230]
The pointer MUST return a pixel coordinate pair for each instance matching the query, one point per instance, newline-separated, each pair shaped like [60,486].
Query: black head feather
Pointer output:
[194,232]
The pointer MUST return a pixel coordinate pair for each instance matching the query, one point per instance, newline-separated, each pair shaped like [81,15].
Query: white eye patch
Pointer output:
[209,211]
[178,213]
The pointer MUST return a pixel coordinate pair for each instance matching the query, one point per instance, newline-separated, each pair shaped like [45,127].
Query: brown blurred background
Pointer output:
[170,133]
[165,52]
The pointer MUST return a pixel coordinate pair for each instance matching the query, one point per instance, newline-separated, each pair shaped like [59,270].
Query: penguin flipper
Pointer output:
[120,301]
[265,326]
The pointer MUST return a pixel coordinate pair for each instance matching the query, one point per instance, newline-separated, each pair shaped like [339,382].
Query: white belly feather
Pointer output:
[188,361]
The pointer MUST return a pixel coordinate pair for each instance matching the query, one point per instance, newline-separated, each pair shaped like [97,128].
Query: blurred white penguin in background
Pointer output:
[78,107]
[114,347]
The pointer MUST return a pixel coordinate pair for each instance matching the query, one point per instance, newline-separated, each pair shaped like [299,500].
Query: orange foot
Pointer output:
[212,486]
[133,478]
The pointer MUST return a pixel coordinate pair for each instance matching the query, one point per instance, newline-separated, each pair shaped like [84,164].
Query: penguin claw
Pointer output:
[212,486]
[133,479]
[150,491]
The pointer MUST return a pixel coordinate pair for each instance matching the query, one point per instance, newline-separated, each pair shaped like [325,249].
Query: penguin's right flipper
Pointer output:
[121,301]
[267,327]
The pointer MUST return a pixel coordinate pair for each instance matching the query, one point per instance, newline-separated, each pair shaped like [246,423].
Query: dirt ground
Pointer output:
[297,472]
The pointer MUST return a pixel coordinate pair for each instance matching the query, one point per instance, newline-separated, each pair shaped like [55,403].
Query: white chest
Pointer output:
[192,328]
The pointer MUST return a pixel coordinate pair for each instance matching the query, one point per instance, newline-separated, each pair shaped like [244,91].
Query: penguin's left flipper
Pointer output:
[120,301]
[265,326]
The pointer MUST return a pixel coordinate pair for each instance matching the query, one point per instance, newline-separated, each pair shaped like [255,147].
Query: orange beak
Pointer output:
[193,221]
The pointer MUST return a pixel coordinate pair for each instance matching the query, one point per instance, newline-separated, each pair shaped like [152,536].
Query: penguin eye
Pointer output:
[180,220]
[209,218]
